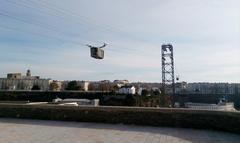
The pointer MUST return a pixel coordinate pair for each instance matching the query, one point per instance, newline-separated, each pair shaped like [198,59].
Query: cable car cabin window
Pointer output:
[97,53]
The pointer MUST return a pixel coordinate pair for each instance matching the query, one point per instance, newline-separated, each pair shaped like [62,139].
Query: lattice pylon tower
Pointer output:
[168,78]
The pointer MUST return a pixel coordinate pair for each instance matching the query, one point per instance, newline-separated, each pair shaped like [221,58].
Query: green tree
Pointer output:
[164,99]
[145,92]
[36,87]
[73,85]
[105,87]
[155,92]
[54,86]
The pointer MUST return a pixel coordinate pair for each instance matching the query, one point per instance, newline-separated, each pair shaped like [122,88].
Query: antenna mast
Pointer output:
[168,81]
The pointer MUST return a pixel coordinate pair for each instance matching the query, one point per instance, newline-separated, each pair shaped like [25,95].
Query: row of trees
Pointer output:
[73,85]
[149,98]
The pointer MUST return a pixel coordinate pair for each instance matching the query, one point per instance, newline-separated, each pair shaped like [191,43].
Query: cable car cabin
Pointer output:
[97,53]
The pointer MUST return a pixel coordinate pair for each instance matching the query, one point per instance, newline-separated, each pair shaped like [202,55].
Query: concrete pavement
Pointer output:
[38,131]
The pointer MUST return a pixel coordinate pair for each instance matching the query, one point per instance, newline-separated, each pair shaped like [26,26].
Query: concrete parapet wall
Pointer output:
[187,118]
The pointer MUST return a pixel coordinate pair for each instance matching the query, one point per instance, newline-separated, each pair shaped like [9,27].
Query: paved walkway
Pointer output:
[36,131]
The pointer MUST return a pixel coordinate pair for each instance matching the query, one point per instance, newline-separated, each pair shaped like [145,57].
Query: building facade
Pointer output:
[213,88]
[16,81]
[127,89]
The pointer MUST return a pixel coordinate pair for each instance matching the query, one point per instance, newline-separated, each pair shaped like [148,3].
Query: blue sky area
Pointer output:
[49,37]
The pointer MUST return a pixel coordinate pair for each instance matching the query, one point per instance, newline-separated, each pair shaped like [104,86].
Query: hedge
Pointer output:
[200,119]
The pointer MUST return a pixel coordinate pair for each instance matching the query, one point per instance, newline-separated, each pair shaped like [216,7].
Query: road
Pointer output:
[38,131]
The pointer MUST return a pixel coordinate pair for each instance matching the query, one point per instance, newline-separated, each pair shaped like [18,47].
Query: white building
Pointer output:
[139,91]
[213,88]
[128,89]
[15,81]
[84,85]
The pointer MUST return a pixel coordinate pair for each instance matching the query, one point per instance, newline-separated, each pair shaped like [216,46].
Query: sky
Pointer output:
[49,37]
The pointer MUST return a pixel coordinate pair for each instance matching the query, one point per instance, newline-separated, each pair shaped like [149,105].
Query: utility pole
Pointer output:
[168,79]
